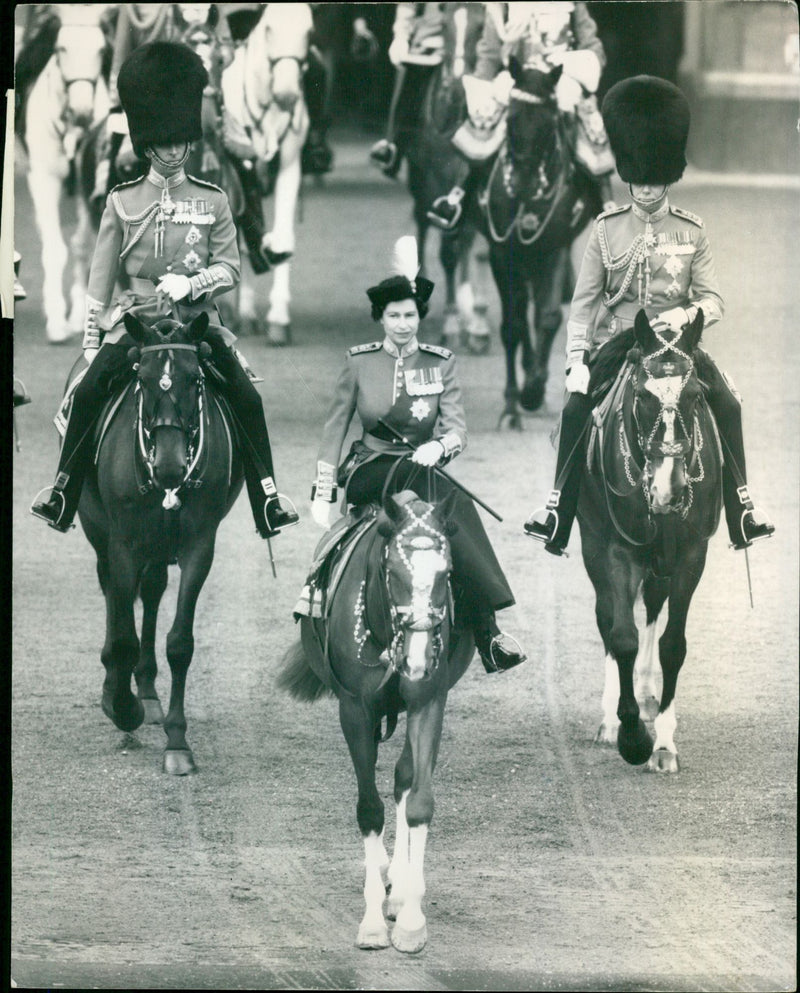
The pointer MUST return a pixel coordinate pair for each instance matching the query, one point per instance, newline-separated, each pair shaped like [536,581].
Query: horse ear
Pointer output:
[135,328]
[213,16]
[645,338]
[690,338]
[197,329]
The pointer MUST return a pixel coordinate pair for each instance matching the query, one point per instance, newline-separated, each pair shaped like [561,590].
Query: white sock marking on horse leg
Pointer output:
[372,931]
[648,668]
[609,727]
[280,295]
[411,917]
[398,869]
[664,727]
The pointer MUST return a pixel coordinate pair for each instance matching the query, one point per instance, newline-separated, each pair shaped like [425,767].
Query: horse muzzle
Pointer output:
[169,458]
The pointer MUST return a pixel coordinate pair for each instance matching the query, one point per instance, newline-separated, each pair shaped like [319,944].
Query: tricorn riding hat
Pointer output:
[160,88]
[405,284]
[647,122]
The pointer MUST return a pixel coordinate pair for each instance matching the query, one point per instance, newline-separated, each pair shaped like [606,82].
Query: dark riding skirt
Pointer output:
[475,567]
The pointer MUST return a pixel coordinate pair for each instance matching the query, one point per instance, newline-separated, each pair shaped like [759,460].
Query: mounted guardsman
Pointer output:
[653,256]
[539,36]
[413,388]
[174,239]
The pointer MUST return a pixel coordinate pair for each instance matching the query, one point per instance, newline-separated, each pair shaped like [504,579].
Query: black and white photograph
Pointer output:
[404,483]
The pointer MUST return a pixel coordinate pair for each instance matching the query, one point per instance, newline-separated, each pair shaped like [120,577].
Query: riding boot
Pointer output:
[746,523]
[317,155]
[270,517]
[562,504]
[251,221]
[76,449]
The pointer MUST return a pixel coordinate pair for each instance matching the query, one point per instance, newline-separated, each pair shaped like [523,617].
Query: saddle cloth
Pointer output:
[331,555]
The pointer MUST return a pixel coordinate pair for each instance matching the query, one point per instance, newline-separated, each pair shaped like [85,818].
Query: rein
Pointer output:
[256,118]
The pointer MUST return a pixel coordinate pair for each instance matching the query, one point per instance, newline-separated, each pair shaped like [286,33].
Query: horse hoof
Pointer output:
[531,396]
[478,344]
[409,941]
[372,938]
[663,760]
[510,419]
[278,334]
[636,745]
[606,735]
[126,719]
[179,762]
[153,714]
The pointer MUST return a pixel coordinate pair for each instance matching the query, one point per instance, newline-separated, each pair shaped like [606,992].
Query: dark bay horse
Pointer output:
[534,204]
[388,644]
[649,503]
[167,471]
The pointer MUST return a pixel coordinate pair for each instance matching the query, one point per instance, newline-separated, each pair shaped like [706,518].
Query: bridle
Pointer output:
[668,393]
[257,115]
[546,192]
[192,427]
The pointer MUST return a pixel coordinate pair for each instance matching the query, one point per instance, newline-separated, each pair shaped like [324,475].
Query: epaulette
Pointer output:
[204,182]
[687,215]
[371,346]
[445,353]
[614,210]
[124,186]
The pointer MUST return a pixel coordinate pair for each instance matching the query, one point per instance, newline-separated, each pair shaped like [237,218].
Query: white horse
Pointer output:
[67,97]
[263,90]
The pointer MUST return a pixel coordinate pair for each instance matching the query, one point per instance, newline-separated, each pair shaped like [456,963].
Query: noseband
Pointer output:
[193,429]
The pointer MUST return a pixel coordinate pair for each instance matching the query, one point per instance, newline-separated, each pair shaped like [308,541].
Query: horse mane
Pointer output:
[34,55]
[610,358]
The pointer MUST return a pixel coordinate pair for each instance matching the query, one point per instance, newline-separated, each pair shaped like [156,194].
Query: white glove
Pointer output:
[582,65]
[568,94]
[429,453]
[174,285]
[673,319]
[578,379]
[321,512]
[398,50]
[89,354]
[482,105]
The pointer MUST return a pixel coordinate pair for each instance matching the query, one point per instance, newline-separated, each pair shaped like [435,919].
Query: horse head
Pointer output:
[81,53]
[532,132]
[666,391]
[170,385]
[276,52]
[416,566]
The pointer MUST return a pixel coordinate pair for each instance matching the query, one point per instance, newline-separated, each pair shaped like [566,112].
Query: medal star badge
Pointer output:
[420,409]
[192,261]
[192,236]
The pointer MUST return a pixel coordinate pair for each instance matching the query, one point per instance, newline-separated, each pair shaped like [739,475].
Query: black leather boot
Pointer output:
[746,523]
[54,511]
[276,518]
[492,644]
[555,529]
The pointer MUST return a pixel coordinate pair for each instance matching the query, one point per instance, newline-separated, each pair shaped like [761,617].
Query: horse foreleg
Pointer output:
[80,250]
[633,740]
[120,653]
[195,566]
[403,779]
[279,326]
[647,671]
[548,288]
[424,731]
[449,256]
[152,586]
[358,725]
[672,651]
[45,189]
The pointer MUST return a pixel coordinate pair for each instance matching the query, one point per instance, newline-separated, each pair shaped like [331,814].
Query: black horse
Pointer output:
[387,644]
[649,503]
[167,471]
[534,204]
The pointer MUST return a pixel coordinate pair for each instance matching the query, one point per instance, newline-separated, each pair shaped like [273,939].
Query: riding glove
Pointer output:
[577,379]
[429,453]
[321,512]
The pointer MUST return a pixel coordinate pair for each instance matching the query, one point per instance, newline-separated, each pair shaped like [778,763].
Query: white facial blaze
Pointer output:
[426,565]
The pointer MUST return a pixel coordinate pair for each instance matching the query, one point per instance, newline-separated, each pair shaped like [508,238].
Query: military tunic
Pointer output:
[633,261]
[151,227]
[415,390]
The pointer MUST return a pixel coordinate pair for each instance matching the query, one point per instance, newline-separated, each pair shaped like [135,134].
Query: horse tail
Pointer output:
[298,679]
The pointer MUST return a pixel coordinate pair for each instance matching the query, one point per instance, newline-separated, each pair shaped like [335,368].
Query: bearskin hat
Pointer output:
[160,88]
[647,122]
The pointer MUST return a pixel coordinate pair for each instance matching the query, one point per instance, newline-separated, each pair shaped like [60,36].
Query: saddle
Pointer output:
[333,552]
